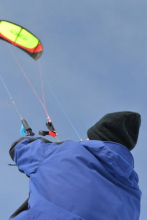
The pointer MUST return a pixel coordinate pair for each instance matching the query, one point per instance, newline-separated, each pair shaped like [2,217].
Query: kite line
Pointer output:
[10,97]
[59,103]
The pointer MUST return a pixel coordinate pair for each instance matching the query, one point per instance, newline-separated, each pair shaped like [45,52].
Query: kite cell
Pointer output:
[21,38]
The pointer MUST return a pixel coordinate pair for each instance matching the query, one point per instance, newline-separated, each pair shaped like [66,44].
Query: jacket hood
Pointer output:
[116,159]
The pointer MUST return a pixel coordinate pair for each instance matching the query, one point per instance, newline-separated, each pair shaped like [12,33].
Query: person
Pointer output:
[90,180]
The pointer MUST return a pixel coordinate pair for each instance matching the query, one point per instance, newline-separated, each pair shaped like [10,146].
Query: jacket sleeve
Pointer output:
[28,152]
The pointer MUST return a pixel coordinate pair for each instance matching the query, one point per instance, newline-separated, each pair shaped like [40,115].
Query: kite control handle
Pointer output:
[51,131]
[27,127]
[44,133]
[50,126]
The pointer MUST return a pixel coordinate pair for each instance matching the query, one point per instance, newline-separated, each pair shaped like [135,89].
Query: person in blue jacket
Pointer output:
[90,180]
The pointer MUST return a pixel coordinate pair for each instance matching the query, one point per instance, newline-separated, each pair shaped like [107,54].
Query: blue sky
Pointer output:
[94,59]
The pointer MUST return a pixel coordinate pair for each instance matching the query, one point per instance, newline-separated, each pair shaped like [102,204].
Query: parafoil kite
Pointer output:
[29,43]
[21,38]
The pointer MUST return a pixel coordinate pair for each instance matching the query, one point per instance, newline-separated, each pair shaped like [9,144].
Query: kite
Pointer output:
[25,40]
[21,38]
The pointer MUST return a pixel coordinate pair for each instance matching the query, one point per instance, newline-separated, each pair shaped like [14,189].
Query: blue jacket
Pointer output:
[90,180]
